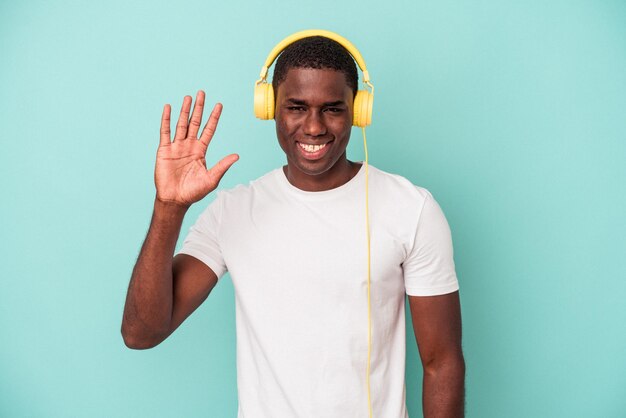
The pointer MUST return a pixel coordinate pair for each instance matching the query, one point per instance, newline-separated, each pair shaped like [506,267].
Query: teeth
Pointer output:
[311,148]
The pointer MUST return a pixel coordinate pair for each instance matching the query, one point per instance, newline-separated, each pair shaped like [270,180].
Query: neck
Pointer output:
[336,176]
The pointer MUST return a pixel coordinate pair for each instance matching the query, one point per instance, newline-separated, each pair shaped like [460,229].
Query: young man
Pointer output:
[294,243]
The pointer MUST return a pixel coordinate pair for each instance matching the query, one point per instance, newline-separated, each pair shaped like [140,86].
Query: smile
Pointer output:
[313,152]
[311,148]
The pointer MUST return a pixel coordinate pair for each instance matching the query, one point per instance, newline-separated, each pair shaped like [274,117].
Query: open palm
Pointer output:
[181,175]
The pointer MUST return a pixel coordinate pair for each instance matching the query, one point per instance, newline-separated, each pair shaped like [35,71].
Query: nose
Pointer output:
[314,124]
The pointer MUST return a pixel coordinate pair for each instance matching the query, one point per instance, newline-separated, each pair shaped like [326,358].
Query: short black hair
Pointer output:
[316,52]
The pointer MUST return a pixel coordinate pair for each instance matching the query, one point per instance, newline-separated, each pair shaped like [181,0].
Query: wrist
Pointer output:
[169,207]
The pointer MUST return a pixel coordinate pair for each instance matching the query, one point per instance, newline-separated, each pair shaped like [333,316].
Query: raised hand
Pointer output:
[181,176]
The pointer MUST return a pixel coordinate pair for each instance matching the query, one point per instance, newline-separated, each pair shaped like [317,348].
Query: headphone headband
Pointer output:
[315,32]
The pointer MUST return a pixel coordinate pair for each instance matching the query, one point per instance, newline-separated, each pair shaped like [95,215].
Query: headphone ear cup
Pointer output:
[264,101]
[362,109]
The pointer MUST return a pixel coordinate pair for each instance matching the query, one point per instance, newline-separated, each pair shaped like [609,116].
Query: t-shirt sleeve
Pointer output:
[202,240]
[429,267]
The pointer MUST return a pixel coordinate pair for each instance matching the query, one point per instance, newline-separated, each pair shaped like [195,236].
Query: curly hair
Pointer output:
[316,52]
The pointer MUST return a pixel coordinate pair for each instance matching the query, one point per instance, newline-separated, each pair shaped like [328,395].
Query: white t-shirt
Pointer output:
[298,263]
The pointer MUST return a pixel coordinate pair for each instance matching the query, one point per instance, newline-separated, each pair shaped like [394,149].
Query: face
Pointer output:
[313,124]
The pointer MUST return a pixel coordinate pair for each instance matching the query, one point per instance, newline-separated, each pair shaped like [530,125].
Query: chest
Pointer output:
[317,249]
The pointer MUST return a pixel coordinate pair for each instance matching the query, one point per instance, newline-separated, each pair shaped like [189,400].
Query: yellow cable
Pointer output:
[369,310]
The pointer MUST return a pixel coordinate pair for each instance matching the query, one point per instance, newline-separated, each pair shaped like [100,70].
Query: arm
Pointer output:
[437,326]
[163,291]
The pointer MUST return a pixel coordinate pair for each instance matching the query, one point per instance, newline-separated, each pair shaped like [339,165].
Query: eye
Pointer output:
[296,108]
[334,109]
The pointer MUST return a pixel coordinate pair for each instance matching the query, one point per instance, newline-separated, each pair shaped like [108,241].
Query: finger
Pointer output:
[211,124]
[196,116]
[218,170]
[181,125]
[165,125]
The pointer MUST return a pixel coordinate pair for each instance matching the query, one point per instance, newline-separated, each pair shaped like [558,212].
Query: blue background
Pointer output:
[512,113]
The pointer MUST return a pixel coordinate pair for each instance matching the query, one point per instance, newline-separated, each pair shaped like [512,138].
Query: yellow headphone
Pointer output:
[264,92]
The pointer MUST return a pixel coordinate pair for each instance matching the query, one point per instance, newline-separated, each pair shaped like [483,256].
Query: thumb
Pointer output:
[218,170]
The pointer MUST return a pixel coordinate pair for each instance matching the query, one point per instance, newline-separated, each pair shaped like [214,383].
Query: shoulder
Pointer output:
[397,187]
[233,204]
[266,182]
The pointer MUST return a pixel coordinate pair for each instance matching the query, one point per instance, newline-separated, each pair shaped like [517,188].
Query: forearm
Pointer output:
[148,309]
[444,388]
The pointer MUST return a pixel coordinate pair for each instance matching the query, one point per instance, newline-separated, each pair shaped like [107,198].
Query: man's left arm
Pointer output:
[437,326]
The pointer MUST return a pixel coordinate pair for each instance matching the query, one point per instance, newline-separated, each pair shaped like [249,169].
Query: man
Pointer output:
[294,244]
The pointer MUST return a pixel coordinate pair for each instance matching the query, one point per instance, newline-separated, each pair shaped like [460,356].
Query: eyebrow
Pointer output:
[304,103]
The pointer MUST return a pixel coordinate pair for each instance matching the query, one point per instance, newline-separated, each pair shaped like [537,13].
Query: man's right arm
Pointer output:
[164,290]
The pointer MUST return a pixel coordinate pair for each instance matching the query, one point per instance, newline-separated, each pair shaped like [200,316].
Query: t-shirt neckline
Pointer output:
[337,191]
